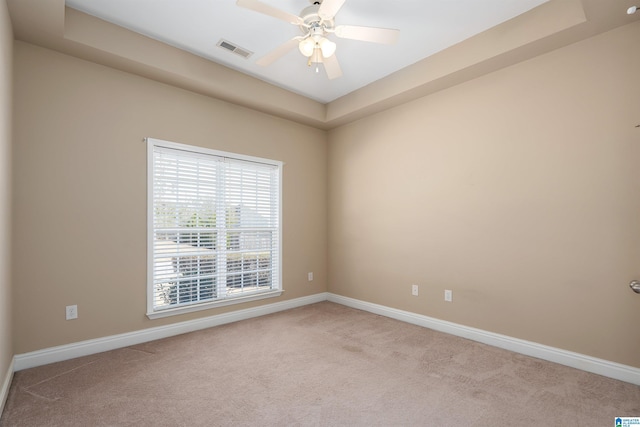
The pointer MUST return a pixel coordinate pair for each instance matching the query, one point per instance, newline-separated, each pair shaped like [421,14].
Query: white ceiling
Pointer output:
[426,27]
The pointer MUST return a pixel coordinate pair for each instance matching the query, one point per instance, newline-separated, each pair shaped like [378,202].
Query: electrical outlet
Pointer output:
[414,290]
[310,276]
[72,312]
[448,295]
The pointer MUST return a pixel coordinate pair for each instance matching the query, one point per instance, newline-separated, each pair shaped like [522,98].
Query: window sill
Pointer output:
[209,305]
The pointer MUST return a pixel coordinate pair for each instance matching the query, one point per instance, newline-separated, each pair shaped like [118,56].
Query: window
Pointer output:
[213,228]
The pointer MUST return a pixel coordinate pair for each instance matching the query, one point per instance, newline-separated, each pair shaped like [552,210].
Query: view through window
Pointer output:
[214,227]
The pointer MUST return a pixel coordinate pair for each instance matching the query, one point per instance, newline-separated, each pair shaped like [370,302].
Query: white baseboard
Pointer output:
[83,348]
[575,360]
[98,345]
[6,383]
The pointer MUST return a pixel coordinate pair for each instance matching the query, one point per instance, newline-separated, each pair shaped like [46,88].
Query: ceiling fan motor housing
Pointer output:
[311,19]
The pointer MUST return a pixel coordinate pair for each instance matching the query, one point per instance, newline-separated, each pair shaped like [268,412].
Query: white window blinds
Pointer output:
[214,227]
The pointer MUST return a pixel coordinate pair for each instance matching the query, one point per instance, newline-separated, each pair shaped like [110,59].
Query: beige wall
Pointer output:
[518,190]
[6,67]
[80,192]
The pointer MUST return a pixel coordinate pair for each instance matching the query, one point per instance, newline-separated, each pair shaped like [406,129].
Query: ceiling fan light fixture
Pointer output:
[327,47]
[307,46]
[316,58]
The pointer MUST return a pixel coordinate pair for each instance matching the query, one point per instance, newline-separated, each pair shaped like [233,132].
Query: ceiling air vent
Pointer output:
[235,49]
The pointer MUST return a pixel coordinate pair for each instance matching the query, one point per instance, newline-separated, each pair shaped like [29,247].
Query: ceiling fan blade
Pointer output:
[332,67]
[329,8]
[368,34]
[278,52]
[257,6]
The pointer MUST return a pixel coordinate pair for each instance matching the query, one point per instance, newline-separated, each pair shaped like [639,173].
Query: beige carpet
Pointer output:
[319,365]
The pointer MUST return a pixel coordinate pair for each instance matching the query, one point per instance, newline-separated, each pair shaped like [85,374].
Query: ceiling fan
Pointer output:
[316,22]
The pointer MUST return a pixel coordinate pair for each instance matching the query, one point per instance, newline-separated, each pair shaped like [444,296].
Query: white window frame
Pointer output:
[276,290]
